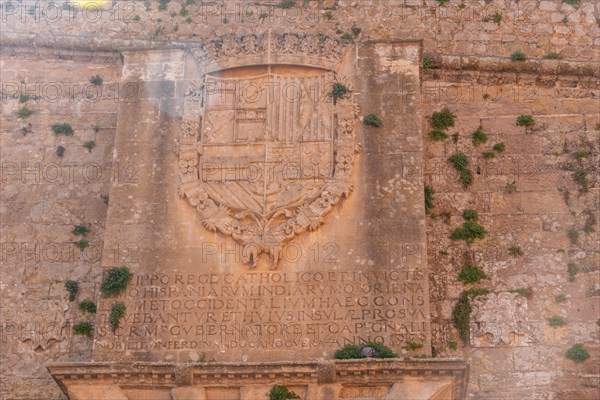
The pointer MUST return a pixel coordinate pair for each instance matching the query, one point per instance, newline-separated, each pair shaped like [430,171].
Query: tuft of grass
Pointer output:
[523,292]
[286,4]
[62,129]
[117,311]
[488,154]
[372,120]
[556,321]
[495,17]
[87,306]
[83,328]
[90,144]
[183,12]
[96,80]
[459,161]
[442,2]
[572,270]
[471,230]
[25,112]
[426,62]
[137,18]
[80,230]
[281,392]
[356,30]
[478,137]
[338,91]
[453,345]
[82,244]
[572,2]
[115,281]
[499,147]
[437,135]
[412,346]
[470,215]
[72,288]
[466,177]
[442,119]
[429,192]
[346,36]
[162,4]
[518,56]
[577,353]
[471,274]
[560,298]
[573,235]
[580,178]
[23,98]
[515,251]
[552,56]
[525,120]
[60,151]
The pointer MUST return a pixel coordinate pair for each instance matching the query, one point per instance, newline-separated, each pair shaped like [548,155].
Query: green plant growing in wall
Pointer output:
[117,311]
[356,30]
[339,91]
[115,281]
[577,353]
[163,4]
[523,292]
[25,112]
[572,270]
[461,314]
[443,119]
[453,345]
[72,288]
[556,321]
[90,144]
[347,36]
[515,251]
[281,392]
[518,56]
[560,298]
[87,306]
[478,137]
[62,129]
[96,80]
[573,235]
[436,135]
[80,230]
[83,328]
[412,346]
[471,274]
[552,56]
[105,199]
[372,120]
[429,192]
[23,98]
[60,151]
[488,155]
[499,147]
[471,230]
[580,178]
[460,162]
[286,4]
[525,120]
[426,62]
[82,244]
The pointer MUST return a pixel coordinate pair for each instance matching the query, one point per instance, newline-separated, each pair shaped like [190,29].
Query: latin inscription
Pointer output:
[269,310]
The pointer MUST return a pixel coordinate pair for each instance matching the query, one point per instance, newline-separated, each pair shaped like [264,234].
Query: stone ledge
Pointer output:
[226,375]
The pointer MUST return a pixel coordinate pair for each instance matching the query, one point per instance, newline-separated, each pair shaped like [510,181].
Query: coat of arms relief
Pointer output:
[265,151]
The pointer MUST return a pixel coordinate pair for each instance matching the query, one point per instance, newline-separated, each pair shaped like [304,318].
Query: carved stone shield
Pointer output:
[268,156]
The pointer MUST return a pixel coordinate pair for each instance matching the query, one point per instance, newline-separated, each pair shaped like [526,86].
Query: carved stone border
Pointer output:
[343,372]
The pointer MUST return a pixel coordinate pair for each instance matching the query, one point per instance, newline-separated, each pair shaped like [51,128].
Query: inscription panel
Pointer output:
[210,312]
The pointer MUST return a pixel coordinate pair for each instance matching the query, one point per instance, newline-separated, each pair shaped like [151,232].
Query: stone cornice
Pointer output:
[172,375]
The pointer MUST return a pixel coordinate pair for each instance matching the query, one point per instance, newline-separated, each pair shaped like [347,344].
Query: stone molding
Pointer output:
[347,373]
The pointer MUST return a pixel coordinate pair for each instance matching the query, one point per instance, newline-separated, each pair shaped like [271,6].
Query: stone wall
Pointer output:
[526,196]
